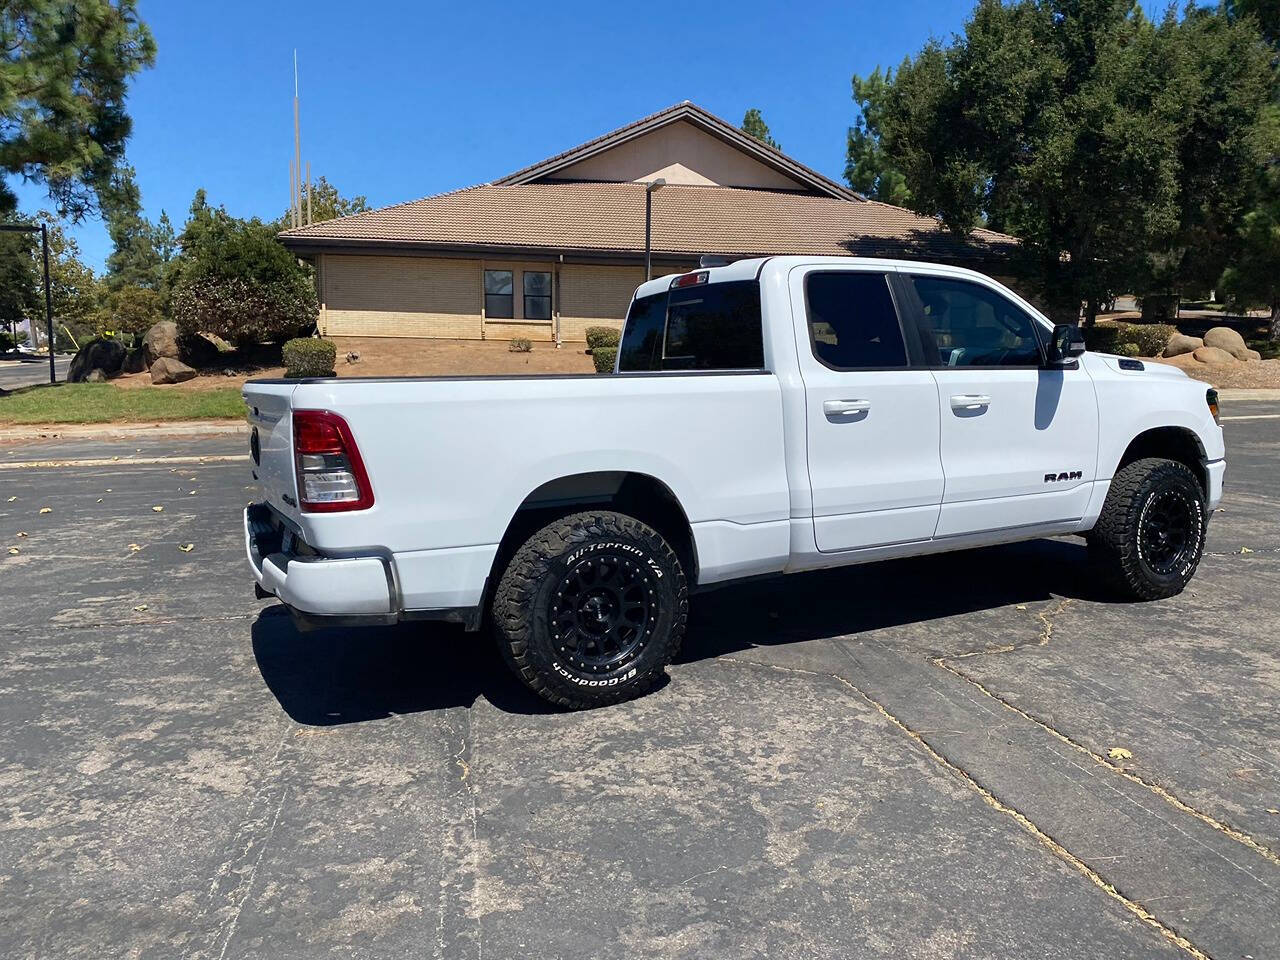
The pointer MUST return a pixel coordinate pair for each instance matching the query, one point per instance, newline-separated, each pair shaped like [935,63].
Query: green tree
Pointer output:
[753,124]
[867,168]
[1071,124]
[233,278]
[327,204]
[20,293]
[141,250]
[1265,13]
[64,72]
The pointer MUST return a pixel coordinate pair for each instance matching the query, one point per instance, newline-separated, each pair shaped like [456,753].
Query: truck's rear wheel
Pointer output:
[591,609]
[1150,536]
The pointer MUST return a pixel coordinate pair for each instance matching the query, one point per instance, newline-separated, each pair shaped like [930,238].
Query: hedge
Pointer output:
[309,357]
[1150,338]
[604,358]
[603,337]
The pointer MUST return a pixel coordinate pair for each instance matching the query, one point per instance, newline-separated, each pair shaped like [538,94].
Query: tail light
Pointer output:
[331,475]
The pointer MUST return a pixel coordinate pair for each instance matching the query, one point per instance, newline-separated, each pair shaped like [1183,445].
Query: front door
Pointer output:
[1019,440]
[872,418]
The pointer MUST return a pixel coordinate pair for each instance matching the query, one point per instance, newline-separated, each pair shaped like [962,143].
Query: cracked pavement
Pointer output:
[910,759]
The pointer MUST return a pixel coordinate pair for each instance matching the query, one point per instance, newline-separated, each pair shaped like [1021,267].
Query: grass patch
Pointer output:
[103,403]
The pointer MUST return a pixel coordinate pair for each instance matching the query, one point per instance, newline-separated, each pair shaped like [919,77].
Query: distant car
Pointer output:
[770,416]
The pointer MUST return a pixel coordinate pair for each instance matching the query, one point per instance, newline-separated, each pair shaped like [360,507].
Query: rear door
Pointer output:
[1019,440]
[871,417]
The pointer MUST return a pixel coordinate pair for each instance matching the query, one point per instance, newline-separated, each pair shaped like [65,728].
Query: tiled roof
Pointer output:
[685,112]
[608,218]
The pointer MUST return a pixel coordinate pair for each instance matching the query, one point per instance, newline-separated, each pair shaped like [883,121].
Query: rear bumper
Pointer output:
[352,588]
[1215,472]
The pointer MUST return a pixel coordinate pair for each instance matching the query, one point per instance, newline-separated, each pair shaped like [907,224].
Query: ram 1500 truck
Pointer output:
[767,417]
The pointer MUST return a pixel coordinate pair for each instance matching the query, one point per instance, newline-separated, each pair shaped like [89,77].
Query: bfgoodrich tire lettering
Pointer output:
[591,609]
[1150,536]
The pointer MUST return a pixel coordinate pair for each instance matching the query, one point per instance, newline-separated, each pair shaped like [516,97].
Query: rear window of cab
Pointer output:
[714,326]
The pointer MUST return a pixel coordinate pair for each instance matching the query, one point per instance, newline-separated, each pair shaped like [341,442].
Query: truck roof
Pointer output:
[750,269]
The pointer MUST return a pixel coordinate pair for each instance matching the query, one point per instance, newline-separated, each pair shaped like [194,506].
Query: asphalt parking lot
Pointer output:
[972,755]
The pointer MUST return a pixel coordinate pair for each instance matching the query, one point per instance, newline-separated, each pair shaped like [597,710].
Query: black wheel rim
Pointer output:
[603,612]
[1168,531]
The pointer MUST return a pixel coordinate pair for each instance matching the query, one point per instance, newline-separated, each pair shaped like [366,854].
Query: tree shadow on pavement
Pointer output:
[352,674]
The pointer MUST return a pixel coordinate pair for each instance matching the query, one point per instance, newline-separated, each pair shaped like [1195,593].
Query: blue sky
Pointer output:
[405,99]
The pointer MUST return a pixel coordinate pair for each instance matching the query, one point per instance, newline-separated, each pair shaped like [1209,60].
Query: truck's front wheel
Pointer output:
[1149,538]
[591,609]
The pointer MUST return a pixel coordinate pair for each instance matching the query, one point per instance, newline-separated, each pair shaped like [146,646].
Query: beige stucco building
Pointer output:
[559,246]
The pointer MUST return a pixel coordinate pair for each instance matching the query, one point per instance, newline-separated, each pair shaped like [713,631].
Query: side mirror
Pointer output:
[1065,345]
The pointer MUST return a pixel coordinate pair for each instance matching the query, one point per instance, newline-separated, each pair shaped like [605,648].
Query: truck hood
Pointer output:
[1151,369]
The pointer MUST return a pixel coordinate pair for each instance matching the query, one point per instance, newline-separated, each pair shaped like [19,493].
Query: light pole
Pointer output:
[650,189]
[48,298]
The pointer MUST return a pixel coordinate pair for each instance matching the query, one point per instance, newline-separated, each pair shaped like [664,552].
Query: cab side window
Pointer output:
[852,321]
[968,325]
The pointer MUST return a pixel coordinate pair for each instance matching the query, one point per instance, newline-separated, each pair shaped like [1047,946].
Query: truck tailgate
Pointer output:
[271,443]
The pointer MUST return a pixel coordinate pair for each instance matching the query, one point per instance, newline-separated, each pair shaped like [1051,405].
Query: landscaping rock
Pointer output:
[198,350]
[1180,343]
[135,361]
[1213,355]
[161,341]
[1250,355]
[95,376]
[104,355]
[170,370]
[1224,338]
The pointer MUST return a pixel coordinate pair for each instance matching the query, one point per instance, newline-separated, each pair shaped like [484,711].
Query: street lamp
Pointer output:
[649,189]
[48,297]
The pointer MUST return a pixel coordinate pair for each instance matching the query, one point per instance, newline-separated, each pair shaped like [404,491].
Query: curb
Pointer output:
[169,428]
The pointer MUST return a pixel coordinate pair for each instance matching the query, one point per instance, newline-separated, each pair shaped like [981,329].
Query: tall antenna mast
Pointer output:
[297,149]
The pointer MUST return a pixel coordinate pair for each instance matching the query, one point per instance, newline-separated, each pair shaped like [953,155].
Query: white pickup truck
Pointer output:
[767,417]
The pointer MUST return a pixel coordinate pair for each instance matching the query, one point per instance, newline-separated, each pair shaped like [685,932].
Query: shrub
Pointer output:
[1150,338]
[603,337]
[1129,350]
[235,280]
[603,358]
[7,342]
[520,345]
[131,310]
[309,357]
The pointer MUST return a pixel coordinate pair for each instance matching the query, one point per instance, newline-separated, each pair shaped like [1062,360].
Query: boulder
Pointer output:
[1213,355]
[1249,355]
[170,370]
[135,361]
[1180,343]
[1224,338]
[104,355]
[161,341]
[95,376]
[198,350]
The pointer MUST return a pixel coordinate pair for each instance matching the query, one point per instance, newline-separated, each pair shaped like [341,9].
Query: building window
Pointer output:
[537,296]
[499,303]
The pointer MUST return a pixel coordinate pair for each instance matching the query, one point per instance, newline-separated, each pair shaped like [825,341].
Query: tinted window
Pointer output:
[852,322]
[498,299]
[714,326]
[537,295]
[972,326]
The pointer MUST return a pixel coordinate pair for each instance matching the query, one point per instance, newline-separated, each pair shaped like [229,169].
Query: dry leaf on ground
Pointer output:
[186,547]
[46,509]
[1119,753]
[158,509]
[140,607]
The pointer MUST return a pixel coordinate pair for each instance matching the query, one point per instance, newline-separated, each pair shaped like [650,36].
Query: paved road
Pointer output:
[14,373]
[907,760]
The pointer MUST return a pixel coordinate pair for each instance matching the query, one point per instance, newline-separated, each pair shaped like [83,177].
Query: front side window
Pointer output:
[537,295]
[852,322]
[969,325]
[498,299]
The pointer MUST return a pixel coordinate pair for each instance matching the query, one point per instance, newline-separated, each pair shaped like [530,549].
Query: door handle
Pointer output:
[845,408]
[970,401]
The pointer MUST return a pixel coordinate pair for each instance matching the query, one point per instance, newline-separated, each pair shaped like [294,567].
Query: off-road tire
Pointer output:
[539,592]
[1124,545]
